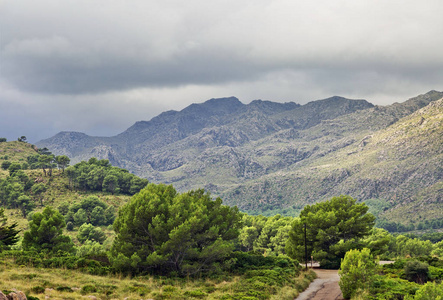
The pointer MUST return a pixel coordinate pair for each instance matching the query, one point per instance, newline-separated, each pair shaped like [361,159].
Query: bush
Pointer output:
[195,294]
[383,287]
[430,291]
[356,272]
[86,289]
[87,232]
[5,164]
[417,271]
[69,226]
[38,289]
[64,289]
[46,233]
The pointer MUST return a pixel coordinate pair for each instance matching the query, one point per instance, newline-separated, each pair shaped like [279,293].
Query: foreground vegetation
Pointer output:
[80,222]
[416,278]
[259,282]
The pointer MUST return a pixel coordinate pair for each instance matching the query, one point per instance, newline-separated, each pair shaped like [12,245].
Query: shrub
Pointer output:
[64,289]
[91,233]
[86,289]
[195,294]
[356,272]
[417,271]
[430,291]
[383,287]
[38,289]
[69,226]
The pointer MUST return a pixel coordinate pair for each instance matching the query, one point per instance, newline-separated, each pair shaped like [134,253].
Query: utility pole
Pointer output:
[306,249]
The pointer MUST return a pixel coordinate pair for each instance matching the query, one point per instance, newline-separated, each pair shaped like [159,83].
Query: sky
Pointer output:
[98,66]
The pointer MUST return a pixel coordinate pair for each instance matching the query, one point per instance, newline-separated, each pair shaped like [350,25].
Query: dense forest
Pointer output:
[148,240]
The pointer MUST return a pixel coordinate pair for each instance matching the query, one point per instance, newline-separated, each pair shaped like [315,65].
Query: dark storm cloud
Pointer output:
[82,63]
[78,47]
[75,75]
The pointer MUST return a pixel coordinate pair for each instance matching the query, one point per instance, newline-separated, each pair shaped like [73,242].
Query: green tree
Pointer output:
[25,204]
[6,164]
[63,208]
[91,249]
[71,173]
[46,233]
[80,217]
[110,184]
[33,161]
[14,167]
[378,241]
[414,247]
[417,271]
[332,228]
[44,151]
[98,216]
[62,162]
[8,233]
[273,236]
[96,177]
[162,231]
[38,190]
[356,272]
[2,140]
[46,162]
[22,139]
[137,184]
[91,233]
[247,237]
[438,249]
[89,204]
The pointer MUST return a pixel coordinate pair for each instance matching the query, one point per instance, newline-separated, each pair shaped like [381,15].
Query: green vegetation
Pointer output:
[430,291]
[162,231]
[331,228]
[263,281]
[191,236]
[162,244]
[357,271]
[8,233]
[99,175]
[46,233]
[266,235]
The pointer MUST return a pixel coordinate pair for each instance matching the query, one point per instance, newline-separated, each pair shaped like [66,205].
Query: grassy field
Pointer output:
[69,284]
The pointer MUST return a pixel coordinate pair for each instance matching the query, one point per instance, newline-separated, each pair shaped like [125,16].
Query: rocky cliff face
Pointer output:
[268,155]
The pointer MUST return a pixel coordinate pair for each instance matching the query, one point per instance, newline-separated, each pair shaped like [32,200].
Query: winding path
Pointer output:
[325,287]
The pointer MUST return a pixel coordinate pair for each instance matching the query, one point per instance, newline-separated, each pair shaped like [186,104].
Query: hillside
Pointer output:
[15,152]
[275,157]
[399,168]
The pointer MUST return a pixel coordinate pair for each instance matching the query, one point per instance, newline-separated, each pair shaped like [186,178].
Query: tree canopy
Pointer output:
[45,233]
[162,231]
[332,228]
[8,233]
[356,272]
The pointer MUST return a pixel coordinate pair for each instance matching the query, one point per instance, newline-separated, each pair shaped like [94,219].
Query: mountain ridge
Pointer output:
[230,148]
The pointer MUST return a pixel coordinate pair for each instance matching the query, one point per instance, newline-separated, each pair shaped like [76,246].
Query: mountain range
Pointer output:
[268,157]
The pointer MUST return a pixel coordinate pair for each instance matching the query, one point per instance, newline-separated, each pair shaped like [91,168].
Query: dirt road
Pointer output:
[325,287]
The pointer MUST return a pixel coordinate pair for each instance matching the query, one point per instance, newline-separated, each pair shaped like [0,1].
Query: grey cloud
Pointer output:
[83,47]
[99,66]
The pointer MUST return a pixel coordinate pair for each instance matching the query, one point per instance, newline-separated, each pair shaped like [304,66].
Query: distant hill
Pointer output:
[15,152]
[277,157]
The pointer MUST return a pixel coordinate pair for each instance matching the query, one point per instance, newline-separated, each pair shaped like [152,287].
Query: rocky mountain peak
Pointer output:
[213,106]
